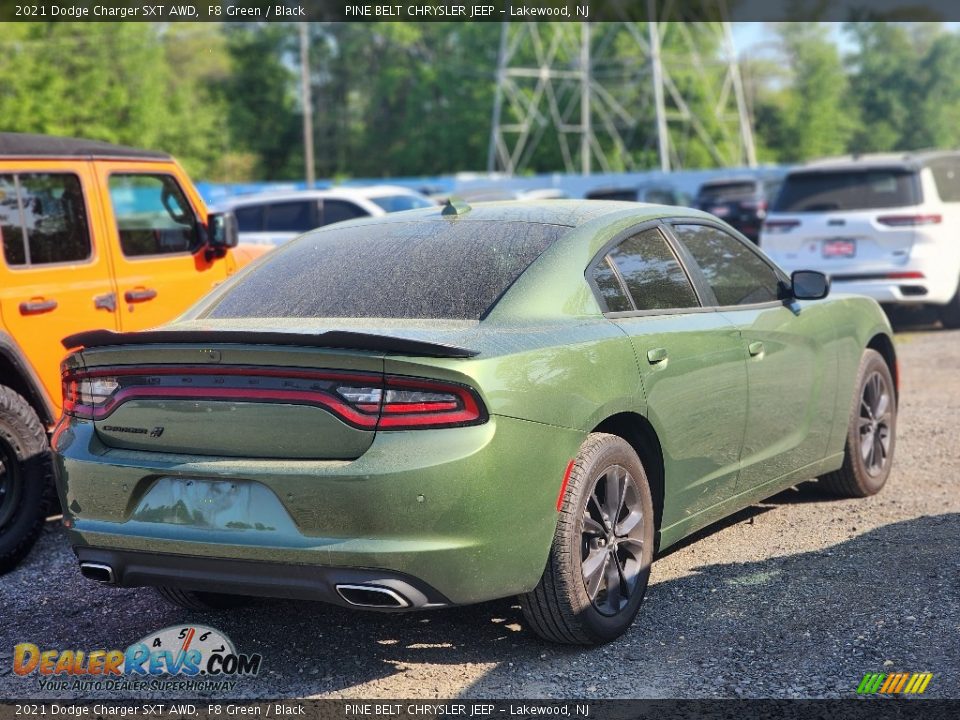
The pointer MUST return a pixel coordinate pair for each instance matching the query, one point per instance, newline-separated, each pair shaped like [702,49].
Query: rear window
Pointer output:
[848,190]
[731,189]
[429,270]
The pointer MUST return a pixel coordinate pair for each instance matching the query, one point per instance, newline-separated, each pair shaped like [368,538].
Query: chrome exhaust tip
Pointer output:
[372,596]
[98,572]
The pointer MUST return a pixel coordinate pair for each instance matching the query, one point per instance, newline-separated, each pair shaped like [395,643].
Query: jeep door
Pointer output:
[156,221]
[55,275]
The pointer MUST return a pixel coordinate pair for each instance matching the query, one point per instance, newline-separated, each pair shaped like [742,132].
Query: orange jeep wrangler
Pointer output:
[94,235]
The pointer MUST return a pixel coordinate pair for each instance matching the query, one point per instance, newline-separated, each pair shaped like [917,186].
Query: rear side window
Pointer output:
[429,270]
[946,173]
[650,274]
[848,190]
[249,218]
[340,210]
[153,215]
[43,219]
[736,274]
[294,216]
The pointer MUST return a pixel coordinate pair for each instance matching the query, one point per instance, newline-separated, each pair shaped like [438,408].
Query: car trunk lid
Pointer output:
[236,393]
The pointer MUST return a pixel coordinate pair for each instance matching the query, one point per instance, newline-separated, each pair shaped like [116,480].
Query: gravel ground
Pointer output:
[798,596]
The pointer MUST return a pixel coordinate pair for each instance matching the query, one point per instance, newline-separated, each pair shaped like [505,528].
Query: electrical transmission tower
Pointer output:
[618,97]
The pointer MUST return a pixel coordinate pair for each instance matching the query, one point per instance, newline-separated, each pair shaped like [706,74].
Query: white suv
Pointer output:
[886,226]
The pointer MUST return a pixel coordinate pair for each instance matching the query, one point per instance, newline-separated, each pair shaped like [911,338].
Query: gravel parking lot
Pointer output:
[796,597]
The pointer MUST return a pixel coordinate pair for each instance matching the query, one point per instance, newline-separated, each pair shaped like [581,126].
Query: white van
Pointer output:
[886,226]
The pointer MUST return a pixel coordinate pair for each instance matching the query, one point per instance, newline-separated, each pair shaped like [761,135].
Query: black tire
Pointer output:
[26,478]
[950,313]
[201,601]
[560,608]
[864,474]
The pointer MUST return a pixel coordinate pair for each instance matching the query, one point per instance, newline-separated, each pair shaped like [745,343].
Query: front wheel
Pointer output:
[871,433]
[599,564]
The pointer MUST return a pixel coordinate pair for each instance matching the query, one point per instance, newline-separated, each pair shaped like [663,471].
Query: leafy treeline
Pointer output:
[416,99]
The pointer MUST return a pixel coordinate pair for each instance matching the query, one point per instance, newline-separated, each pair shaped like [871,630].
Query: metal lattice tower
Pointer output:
[618,96]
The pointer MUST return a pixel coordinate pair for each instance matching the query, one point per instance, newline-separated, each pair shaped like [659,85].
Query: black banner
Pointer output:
[476,10]
[853,709]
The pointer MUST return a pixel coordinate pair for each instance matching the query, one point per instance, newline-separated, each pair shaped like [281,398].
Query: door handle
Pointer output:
[36,307]
[656,355]
[107,301]
[139,295]
[755,348]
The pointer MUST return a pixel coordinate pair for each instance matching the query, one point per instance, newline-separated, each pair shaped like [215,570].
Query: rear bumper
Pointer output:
[389,590]
[469,512]
[898,292]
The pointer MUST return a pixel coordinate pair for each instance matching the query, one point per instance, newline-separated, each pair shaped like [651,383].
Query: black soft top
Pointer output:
[32,145]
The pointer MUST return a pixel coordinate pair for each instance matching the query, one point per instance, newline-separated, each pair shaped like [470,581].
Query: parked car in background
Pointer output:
[742,202]
[94,236]
[274,218]
[886,226]
[656,194]
[453,406]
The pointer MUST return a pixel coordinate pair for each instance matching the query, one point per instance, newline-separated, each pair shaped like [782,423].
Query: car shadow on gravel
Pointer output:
[809,624]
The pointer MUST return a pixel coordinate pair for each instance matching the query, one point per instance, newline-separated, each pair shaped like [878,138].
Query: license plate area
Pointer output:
[234,505]
[839,248]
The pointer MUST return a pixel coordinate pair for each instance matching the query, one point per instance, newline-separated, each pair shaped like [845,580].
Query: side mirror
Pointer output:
[222,233]
[809,285]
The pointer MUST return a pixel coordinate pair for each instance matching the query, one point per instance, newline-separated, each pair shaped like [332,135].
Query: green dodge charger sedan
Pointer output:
[446,406]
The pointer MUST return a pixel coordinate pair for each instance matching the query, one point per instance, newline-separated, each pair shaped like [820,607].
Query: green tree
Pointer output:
[816,117]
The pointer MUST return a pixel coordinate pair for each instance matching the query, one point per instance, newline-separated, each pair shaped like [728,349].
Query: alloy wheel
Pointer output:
[874,423]
[612,541]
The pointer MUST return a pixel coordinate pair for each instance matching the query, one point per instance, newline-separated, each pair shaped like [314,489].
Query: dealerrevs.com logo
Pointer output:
[179,657]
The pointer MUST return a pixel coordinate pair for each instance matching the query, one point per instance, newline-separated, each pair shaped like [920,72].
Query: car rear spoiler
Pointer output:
[330,339]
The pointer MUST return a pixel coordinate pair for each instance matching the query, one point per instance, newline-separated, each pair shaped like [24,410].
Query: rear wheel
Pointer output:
[599,564]
[200,601]
[871,434]
[26,478]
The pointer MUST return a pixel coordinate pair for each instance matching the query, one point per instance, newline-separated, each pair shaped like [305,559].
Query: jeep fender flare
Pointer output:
[24,379]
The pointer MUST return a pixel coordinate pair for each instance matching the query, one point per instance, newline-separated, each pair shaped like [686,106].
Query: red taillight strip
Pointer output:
[294,397]
[231,370]
[466,410]
[909,220]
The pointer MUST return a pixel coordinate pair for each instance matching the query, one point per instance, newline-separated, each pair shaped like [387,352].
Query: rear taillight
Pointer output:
[363,400]
[779,226]
[909,220]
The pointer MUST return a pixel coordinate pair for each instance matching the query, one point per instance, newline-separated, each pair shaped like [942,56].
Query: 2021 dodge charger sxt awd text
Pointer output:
[444,407]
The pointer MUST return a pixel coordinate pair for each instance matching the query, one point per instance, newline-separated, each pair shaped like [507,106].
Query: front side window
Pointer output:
[153,215]
[651,274]
[43,219]
[736,274]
